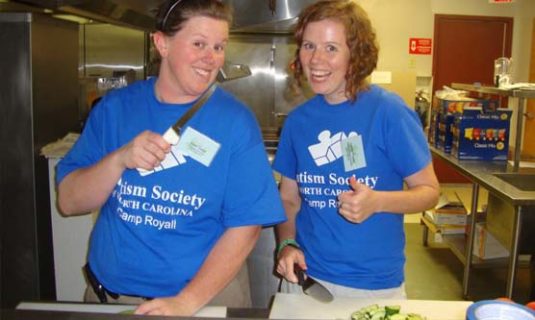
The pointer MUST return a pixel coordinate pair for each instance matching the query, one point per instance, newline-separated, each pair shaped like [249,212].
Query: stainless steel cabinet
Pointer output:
[38,104]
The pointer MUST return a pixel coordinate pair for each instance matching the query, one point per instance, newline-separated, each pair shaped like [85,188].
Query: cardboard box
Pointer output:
[445,136]
[480,135]
[486,246]
[436,233]
[444,113]
[447,219]
[449,210]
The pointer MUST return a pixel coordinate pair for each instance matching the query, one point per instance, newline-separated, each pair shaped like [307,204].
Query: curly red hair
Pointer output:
[360,38]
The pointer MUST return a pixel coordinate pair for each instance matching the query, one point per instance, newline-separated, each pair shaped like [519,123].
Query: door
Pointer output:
[464,51]
[528,146]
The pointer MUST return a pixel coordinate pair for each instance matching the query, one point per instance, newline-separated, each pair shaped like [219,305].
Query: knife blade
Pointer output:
[311,287]
[172,135]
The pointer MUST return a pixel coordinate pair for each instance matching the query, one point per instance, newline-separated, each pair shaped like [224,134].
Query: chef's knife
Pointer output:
[311,287]
[172,135]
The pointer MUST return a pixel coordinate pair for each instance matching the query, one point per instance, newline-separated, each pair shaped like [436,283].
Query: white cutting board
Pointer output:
[300,306]
[208,311]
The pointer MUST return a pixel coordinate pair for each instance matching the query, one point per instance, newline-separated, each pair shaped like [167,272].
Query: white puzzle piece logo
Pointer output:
[329,149]
[172,159]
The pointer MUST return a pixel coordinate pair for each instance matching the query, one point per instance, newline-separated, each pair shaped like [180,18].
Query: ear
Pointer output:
[160,43]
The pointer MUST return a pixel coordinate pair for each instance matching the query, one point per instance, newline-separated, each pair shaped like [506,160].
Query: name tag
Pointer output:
[353,153]
[198,146]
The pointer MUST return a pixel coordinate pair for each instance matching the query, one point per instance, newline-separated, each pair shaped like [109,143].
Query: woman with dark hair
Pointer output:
[179,171]
[344,156]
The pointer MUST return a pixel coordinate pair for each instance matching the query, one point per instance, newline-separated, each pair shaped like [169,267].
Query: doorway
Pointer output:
[528,146]
[465,48]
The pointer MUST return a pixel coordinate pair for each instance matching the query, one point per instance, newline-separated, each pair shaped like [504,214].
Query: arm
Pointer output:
[219,268]
[291,200]
[86,189]
[422,193]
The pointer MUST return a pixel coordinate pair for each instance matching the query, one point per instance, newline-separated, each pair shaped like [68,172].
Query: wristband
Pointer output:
[285,243]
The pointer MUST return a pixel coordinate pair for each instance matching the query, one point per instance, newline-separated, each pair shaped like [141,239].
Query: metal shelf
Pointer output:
[457,244]
[517,93]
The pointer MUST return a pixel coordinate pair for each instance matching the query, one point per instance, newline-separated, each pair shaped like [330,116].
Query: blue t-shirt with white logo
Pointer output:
[367,255]
[156,229]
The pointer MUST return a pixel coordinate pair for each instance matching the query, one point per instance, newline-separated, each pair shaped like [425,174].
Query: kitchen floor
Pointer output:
[435,273]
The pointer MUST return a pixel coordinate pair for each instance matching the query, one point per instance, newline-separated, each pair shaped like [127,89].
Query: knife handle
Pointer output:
[171,136]
[300,273]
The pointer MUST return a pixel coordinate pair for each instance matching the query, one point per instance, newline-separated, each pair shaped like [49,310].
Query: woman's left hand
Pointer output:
[171,306]
[358,204]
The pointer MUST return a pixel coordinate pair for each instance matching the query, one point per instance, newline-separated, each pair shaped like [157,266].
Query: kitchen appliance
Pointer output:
[503,70]
[39,104]
[233,71]
[259,16]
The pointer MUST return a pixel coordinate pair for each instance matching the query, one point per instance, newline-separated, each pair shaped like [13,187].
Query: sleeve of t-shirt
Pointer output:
[88,149]
[406,144]
[251,195]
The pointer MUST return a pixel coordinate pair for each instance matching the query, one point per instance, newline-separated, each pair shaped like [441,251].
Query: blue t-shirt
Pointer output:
[155,230]
[367,255]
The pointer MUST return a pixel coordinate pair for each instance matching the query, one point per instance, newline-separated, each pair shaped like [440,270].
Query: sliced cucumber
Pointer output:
[375,312]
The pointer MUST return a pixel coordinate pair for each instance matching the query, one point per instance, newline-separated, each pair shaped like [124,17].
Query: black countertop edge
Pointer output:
[232,313]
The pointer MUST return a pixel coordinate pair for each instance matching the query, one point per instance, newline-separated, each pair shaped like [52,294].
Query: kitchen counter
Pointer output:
[483,173]
[285,306]
[82,311]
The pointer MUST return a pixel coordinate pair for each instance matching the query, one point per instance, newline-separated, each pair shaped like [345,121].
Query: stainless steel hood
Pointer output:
[266,16]
[250,16]
[136,14]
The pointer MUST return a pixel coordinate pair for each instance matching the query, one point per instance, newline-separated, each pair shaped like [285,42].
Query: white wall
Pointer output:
[396,21]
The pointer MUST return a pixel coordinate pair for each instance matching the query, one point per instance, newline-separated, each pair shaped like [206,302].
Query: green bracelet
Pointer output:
[287,242]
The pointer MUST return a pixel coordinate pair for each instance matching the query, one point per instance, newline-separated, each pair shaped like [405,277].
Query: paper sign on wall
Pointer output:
[420,45]
[381,77]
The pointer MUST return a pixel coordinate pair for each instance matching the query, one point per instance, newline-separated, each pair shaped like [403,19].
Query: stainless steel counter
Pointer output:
[483,173]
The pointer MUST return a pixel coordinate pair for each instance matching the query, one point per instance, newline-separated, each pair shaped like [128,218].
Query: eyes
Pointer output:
[329,48]
[201,45]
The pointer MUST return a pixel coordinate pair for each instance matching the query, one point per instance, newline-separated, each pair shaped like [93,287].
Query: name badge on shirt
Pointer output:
[353,153]
[198,146]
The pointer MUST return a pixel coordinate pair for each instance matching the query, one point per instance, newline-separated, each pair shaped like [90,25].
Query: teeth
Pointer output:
[319,73]
[202,72]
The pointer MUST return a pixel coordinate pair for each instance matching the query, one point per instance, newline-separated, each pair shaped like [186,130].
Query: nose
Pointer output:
[208,55]
[316,56]
[212,56]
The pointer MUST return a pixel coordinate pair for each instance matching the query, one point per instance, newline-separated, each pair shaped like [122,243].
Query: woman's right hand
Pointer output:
[145,151]
[288,257]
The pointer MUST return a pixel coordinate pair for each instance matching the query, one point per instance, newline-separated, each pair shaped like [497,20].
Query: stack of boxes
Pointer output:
[470,129]
[448,217]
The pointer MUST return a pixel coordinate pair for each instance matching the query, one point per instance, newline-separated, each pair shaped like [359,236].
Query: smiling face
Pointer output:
[324,56]
[191,58]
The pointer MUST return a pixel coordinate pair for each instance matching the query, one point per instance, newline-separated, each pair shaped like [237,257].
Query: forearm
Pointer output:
[291,200]
[88,188]
[220,267]
[411,200]
[286,230]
